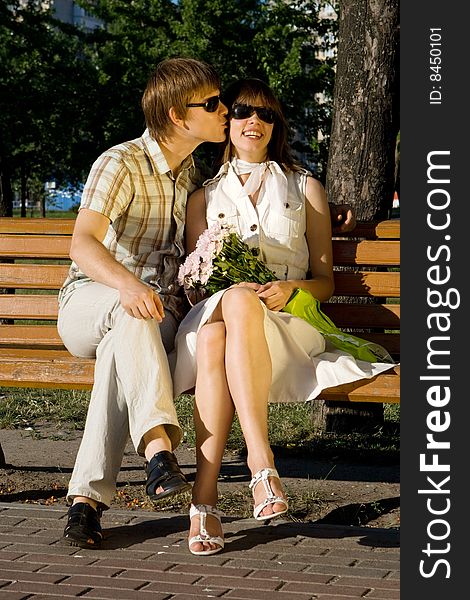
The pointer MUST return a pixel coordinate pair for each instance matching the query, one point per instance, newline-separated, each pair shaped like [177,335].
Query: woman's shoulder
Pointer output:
[300,175]
[222,172]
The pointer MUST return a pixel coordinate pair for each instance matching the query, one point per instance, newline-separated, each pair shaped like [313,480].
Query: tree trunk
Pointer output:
[6,191]
[361,160]
[6,210]
[23,192]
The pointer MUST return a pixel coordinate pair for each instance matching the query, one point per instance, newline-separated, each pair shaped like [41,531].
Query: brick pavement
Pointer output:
[144,555]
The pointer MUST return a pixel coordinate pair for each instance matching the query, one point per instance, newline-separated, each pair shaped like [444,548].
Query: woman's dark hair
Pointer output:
[255,91]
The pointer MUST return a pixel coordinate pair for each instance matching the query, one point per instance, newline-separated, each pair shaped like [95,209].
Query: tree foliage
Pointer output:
[67,93]
[46,129]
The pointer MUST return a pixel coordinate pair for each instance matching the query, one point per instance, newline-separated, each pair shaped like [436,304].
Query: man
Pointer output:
[121,302]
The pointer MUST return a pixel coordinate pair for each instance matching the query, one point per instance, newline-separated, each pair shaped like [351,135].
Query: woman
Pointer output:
[236,347]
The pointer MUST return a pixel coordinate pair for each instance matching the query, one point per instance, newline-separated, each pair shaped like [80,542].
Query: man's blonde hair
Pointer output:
[174,83]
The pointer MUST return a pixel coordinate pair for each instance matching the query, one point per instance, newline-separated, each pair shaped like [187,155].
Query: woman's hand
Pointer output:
[275,294]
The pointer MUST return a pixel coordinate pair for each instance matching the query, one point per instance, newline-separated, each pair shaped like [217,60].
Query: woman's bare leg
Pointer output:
[213,416]
[249,374]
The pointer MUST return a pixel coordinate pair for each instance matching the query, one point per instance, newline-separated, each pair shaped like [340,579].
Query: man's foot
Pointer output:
[164,476]
[83,527]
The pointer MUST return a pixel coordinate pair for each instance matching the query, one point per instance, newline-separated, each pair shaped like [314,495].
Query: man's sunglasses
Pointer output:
[210,105]
[244,111]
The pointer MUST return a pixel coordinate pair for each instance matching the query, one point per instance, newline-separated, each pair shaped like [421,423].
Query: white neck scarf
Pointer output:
[274,180]
[257,172]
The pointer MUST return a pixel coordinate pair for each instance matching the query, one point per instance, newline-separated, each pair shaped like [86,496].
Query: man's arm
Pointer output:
[343,218]
[87,250]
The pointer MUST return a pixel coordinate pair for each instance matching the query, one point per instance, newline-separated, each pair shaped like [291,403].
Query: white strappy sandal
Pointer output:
[271,498]
[202,510]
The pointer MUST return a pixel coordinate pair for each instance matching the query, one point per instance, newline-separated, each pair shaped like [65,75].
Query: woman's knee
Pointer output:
[240,303]
[211,342]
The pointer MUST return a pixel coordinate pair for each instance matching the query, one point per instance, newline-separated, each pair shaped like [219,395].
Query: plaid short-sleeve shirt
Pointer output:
[133,186]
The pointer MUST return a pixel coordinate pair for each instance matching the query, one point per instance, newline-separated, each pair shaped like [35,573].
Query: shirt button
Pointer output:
[254,227]
[221,215]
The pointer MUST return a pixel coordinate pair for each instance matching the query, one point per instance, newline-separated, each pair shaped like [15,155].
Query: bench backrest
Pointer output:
[34,263]
[367,283]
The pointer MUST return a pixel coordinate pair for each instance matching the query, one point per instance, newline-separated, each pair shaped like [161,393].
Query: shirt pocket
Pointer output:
[286,222]
[225,215]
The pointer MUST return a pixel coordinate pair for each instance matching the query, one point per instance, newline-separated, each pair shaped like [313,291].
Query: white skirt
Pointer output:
[302,364]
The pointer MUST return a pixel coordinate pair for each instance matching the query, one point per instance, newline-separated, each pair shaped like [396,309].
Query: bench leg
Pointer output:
[2,457]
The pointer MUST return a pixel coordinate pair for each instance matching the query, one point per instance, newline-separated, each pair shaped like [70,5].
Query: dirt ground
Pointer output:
[40,462]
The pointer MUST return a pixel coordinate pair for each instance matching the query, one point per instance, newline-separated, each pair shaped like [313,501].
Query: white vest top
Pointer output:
[277,224]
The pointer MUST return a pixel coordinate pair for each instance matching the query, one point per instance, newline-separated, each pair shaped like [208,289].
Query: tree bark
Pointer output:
[361,160]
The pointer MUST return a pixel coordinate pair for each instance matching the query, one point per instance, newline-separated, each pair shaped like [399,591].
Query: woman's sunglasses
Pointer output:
[210,105]
[244,111]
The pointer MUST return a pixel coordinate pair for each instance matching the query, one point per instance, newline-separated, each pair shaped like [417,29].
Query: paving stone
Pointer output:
[114,594]
[146,556]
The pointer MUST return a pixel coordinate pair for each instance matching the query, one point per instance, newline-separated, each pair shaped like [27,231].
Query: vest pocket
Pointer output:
[223,215]
[287,222]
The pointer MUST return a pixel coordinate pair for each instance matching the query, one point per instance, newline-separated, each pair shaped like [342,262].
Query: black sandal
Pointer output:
[83,527]
[163,471]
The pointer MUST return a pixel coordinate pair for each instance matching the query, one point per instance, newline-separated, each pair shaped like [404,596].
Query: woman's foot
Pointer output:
[270,501]
[205,530]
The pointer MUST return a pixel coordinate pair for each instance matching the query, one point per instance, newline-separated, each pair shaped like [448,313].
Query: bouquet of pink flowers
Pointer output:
[221,259]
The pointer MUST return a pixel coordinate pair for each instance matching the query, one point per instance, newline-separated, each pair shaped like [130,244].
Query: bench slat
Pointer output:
[34,246]
[345,252]
[366,252]
[28,306]
[367,283]
[26,276]
[383,316]
[45,368]
[390,341]
[30,335]
[36,226]
[385,230]
[56,368]
[381,388]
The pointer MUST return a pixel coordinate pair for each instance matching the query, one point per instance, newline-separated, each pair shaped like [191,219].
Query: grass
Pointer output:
[290,428]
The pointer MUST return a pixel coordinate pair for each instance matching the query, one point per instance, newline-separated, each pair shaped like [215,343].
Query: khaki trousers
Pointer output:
[132,391]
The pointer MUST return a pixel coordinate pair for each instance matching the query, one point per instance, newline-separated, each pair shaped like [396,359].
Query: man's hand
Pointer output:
[343,218]
[141,301]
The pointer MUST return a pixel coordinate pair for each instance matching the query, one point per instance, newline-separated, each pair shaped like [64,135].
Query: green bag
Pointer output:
[302,304]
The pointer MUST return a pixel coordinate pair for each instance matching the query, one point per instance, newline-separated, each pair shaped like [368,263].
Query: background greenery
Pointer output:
[290,425]
[67,94]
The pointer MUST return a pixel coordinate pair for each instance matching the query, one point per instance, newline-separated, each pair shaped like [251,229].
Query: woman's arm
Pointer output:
[318,234]
[319,242]
[196,221]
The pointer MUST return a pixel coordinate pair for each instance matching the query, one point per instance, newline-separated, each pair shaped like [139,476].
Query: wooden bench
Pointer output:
[34,262]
